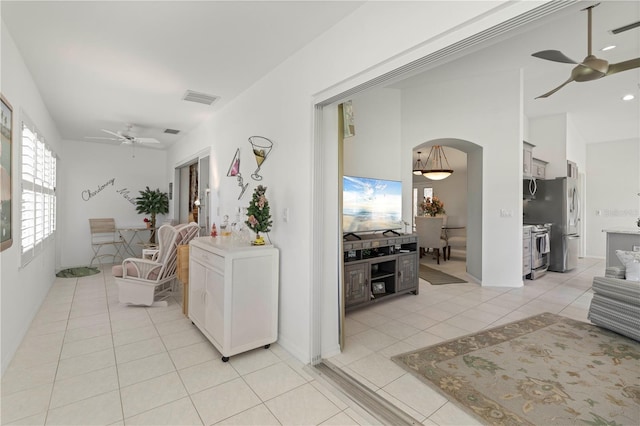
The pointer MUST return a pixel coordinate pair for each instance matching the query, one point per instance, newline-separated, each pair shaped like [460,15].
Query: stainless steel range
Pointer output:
[540,250]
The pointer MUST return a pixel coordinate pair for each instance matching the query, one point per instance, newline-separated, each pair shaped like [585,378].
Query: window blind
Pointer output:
[38,202]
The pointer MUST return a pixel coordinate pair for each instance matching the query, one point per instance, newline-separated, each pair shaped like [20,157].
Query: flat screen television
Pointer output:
[370,205]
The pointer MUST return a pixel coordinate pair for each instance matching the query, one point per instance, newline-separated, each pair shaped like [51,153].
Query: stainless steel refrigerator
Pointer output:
[557,201]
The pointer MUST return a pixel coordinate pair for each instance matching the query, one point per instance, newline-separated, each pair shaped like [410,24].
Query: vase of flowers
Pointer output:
[258,215]
[147,222]
[432,206]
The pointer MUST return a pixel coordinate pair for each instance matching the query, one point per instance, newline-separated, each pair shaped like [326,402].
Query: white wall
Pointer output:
[576,145]
[613,185]
[23,289]
[103,180]
[549,135]
[374,151]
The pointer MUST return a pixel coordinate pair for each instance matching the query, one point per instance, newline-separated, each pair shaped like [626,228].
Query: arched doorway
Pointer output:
[473,219]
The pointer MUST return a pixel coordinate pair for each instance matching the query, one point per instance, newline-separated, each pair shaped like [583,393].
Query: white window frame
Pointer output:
[38,167]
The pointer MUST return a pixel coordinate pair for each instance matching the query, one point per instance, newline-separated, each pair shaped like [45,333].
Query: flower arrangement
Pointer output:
[146,220]
[258,215]
[432,206]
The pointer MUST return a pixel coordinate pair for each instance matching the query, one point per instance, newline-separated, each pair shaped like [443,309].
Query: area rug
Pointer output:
[436,277]
[81,271]
[543,370]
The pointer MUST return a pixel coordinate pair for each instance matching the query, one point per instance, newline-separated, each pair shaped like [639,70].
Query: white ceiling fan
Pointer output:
[125,137]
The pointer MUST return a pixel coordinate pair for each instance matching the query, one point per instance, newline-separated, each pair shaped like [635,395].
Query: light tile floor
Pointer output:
[88,360]
[438,313]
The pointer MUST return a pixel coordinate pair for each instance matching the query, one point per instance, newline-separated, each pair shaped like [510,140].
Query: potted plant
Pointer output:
[152,202]
[258,214]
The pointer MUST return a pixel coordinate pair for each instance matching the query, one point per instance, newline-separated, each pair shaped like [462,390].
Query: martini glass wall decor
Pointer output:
[261,148]
[234,170]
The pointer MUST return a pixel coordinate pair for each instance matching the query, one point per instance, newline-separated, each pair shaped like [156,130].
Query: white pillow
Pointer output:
[631,262]
[633,272]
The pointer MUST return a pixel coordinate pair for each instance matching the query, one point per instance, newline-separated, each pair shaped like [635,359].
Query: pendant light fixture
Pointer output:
[419,166]
[435,169]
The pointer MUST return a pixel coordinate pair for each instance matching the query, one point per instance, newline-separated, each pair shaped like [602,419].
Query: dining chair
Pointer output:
[429,230]
[456,238]
[103,235]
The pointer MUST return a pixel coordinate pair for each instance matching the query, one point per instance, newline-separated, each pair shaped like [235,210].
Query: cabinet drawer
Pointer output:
[207,258]
[526,247]
[526,265]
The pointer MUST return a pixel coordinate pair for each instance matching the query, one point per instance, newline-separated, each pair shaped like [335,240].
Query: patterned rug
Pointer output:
[81,271]
[436,277]
[543,370]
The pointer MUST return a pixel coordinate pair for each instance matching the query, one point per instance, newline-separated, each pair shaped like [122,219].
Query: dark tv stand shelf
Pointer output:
[378,267]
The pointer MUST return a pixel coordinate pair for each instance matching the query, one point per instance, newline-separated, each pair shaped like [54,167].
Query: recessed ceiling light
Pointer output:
[628,97]
[612,46]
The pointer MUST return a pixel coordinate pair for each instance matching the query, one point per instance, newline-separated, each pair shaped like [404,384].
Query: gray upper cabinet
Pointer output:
[538,168]
[527,159]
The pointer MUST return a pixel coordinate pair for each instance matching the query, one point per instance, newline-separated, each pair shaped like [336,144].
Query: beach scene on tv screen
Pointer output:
[371,204]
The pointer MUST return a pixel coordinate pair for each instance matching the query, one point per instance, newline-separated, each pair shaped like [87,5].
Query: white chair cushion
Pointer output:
[118,272]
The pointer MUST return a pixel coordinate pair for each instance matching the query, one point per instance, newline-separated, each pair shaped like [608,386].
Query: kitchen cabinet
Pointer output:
[627,239]
[538,168]
[526,250]
[233,293]
[527,159]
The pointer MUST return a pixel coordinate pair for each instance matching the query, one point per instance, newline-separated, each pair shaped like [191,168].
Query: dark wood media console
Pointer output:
[378,267]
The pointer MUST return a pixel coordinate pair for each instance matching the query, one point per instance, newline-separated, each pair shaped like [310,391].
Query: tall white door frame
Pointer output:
[180,203]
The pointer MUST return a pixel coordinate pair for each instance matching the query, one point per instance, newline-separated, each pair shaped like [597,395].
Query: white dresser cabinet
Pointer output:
[233,293]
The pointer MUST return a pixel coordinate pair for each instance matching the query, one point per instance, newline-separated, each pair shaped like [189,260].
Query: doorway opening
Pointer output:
[192,198]
[462,195]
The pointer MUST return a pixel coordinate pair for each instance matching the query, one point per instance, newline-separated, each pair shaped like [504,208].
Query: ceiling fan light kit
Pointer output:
[591,68]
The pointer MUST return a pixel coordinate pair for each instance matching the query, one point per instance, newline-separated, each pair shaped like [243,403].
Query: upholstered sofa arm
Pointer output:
[616,305]
[615,272]
[619,289]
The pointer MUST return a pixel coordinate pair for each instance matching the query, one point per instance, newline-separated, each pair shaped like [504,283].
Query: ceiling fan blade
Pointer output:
[101,137]
[112,133]
[554,55]
[623,66]
[556,89]
[146,140]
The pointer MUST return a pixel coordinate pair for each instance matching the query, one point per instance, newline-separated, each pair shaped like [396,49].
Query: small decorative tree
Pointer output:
[258,215]
[152,202]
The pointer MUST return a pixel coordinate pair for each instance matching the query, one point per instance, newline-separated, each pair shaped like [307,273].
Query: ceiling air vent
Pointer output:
[626,28]
[201,98]
[171,131]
